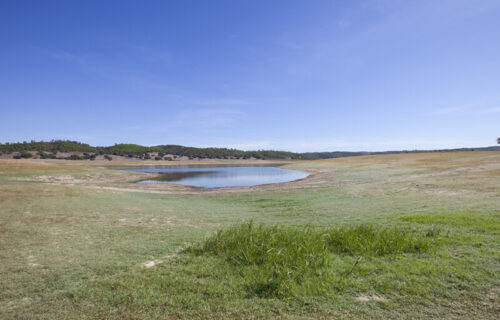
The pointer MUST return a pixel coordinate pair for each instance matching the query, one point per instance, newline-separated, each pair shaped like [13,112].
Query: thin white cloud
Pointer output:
[449,110]
[492,110]
[76,137]
[221,102]
[150,54]
[201,120]
[68,57]
[253,145]
[340,144]
[475,108]
[106,68]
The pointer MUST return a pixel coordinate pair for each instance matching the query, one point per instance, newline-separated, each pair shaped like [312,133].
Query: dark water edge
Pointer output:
[177,176]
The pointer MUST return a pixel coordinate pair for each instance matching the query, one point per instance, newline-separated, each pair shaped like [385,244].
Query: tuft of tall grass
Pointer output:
[377,241]
[277,260]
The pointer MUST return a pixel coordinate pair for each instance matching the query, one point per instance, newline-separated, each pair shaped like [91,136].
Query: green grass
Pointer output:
[276,260]
[480,221]
[262,271]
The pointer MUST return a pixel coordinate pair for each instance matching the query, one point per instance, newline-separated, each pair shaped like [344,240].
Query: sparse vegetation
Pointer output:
[380,237]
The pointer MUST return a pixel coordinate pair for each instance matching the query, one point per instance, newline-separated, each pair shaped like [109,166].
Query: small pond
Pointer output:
[222,176]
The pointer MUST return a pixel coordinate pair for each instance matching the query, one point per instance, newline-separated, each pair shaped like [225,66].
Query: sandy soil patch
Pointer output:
[150,264]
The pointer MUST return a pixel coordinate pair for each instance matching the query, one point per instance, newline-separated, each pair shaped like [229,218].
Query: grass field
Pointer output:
[388,236]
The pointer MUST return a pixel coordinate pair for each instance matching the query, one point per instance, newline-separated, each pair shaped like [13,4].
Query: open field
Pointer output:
[388,236]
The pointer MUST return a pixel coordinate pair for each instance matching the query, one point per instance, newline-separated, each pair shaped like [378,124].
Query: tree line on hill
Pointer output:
[50,149]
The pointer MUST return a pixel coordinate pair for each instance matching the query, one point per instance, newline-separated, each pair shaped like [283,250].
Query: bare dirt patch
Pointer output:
[150,264]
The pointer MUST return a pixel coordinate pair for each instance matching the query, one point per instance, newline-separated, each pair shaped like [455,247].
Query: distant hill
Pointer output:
[50,149]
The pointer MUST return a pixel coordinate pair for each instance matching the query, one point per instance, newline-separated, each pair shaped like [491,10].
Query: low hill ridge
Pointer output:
[139,151]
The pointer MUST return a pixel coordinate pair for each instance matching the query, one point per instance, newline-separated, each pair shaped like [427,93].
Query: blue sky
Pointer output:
[288,75]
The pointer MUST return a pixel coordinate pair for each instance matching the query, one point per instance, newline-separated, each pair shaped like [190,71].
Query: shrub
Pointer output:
[74,157]
[26,155]
[107,157]
[158,158]
[44,155]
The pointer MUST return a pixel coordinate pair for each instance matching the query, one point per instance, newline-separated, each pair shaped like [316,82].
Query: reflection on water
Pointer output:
[177,176]
[223,176]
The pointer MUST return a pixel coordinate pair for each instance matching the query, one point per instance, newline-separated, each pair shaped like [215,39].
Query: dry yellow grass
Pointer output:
[8,166]
[442,160]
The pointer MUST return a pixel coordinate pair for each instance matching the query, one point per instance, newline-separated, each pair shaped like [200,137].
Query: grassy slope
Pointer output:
[71,251]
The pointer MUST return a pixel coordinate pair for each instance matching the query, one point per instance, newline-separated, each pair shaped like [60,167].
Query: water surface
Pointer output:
[223,176]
